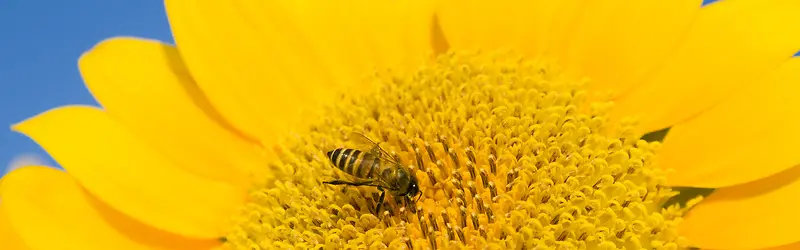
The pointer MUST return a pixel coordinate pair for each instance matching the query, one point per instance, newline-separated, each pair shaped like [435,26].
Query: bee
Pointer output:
[377,168]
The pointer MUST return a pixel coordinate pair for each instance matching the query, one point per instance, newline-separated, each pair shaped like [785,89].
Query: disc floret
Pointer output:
[508,154]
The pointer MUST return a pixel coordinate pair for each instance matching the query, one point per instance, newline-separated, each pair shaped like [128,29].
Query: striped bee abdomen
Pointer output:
[354,162]
[344,158]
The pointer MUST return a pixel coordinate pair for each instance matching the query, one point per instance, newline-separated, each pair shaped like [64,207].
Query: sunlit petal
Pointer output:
[730,45]
[268,64]
[532,27]
[754,215]
[50,211]
[144,85]
[120,170]
[613,42]
[11,239]
[750,136]
[616,42]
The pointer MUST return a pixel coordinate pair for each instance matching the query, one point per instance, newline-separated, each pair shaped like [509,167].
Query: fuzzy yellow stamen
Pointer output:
[508,156]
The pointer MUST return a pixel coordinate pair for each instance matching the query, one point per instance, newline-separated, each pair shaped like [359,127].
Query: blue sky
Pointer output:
[41,43]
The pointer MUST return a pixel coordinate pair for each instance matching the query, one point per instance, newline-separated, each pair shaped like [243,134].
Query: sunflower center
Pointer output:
[507,154]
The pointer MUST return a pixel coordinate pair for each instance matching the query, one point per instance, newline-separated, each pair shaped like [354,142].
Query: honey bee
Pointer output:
[375,167]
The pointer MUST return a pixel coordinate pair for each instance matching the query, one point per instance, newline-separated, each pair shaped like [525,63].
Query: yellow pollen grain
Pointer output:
[507,153]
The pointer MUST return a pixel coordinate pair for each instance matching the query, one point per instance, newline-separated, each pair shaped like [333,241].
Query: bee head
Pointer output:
[413,189]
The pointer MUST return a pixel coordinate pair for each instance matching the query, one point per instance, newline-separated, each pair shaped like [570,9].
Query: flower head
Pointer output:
[507,152]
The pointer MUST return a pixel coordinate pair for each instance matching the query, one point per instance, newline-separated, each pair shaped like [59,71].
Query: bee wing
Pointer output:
[390,159]
[379,181]
[373,146]
[383,183]
[375,149]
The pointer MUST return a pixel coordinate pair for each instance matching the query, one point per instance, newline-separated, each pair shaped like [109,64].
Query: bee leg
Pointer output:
[340,182]
[380,200]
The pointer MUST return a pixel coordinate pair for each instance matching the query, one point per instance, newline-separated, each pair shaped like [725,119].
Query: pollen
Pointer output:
[508,153]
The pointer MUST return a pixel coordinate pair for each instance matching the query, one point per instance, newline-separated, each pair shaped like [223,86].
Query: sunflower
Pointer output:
[520,119]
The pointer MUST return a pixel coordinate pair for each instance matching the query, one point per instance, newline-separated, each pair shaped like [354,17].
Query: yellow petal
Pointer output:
[120,170]
[731,44]
[758,214]
[750,136]
[530,27]
[613,42]
[10,238]
[49,210]
[267,65]
[144,85]
[792,246]
[616,42]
